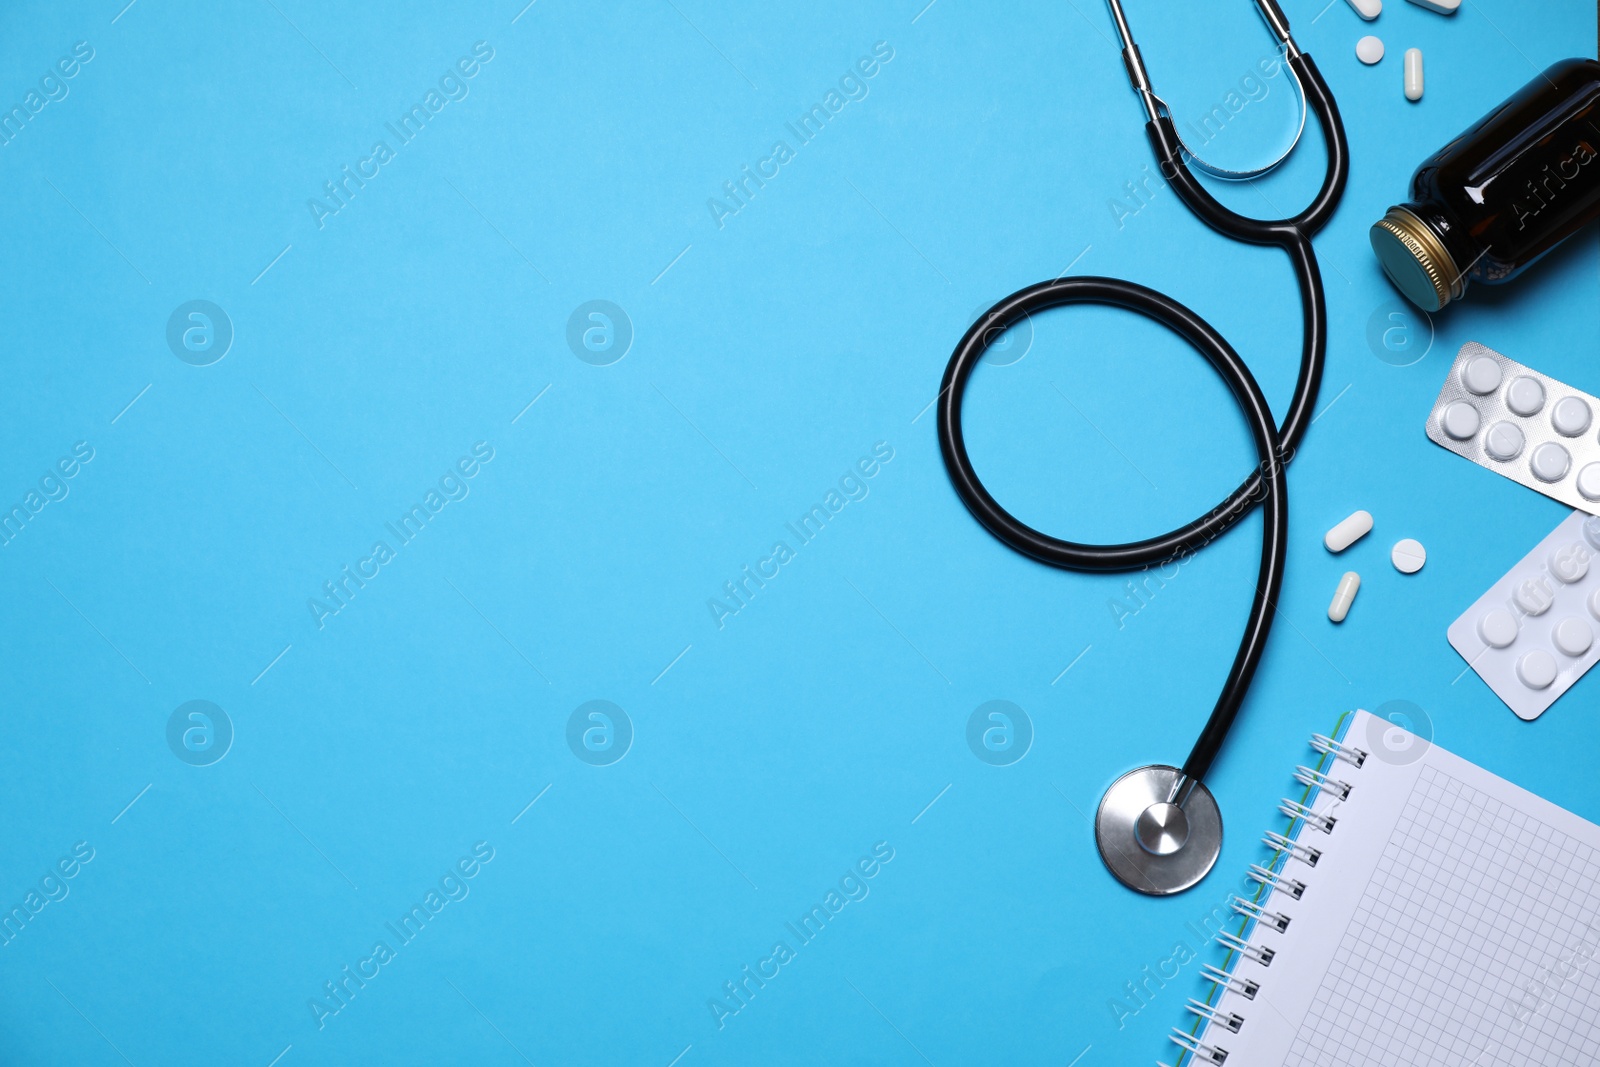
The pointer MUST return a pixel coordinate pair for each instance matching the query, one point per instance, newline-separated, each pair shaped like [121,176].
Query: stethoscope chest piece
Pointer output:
[1158,832]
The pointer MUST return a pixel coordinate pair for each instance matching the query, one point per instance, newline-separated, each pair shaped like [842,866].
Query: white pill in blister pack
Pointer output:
[1522,424]
[1533,634]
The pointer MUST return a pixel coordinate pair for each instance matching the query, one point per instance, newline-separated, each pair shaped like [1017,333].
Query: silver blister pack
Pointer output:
[1522,424]
[1532,635]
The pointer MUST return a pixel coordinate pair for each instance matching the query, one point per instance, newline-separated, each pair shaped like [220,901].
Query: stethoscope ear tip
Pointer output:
[1158,832]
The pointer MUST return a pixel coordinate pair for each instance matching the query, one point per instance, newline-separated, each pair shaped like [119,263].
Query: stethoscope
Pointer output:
[1158,828]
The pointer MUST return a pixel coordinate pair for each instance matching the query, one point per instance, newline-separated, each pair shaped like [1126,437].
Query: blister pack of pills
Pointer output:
[1522,424]
[1532,635]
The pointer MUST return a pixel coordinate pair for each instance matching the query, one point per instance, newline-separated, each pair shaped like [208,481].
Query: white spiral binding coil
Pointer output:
[1231,1020]
[1201,1052]
[1242,986]
[1304,853]
[1329,747]
[1272,879]
[1250,909]
[1296,810]
[1284,884]
[1318,780]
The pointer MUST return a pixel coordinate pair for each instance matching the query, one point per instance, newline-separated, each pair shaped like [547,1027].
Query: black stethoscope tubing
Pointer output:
[1275,444]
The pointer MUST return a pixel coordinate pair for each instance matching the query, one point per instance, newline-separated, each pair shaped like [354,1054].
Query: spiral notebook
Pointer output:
[1418,911]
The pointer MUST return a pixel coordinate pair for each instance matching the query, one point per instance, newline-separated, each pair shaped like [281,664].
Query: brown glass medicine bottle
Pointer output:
[1523,179]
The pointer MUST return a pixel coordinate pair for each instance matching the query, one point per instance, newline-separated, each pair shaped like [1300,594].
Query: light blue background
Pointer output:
[768,356]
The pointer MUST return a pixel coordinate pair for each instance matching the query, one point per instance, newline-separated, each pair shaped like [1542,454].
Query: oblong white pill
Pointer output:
[1443,7]
[1348,532]
[1367,9]
[1369,49]
[1537,669]
[1525,395]
[1344,596]
[1570,416]
[1550,462]
[1460,421]
[1503,441]
[1481,376]
[1498,628]
[1408,555]
[1573,636]
[1413,74]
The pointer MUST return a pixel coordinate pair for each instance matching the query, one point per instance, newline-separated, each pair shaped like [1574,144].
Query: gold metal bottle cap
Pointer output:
[1416,260]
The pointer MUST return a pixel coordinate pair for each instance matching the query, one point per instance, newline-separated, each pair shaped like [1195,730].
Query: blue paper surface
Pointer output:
[636,312]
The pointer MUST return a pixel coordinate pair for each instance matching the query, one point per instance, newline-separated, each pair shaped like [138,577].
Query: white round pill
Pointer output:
[1550,462]
[1589,482]
[1525,396]
[1573,636]
[1408,556]
[1537,669]
[1503,441]
[1534,596]
[1569,564]
[1460,421]
[1498,628]
[1369,50]
[1594,603]
[1481,376]
[1570,416]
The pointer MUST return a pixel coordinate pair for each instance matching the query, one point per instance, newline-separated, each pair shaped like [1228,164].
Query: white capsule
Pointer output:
[1443,7]
[1348,532]
[1367,9]
[1369,49]
[1344,596]
[1413,74]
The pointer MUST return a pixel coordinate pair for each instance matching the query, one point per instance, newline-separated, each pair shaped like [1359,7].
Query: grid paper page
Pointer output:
[1475,944]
